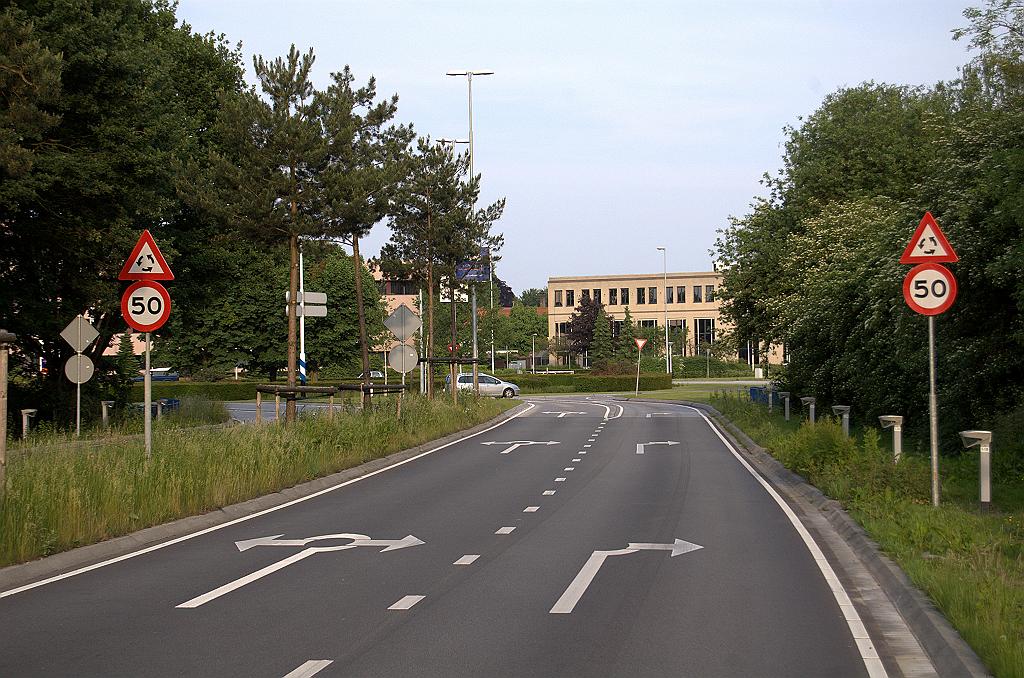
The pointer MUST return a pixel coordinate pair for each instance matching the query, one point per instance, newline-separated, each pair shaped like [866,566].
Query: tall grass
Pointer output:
[62,497]
[970,563]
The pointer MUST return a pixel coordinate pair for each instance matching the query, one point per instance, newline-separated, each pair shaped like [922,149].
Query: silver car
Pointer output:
[489,386]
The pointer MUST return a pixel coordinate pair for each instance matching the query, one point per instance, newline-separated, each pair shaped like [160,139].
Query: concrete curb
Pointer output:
[949,652]
[14,576]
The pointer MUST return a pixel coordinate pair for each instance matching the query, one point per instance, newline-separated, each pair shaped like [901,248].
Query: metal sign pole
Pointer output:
[78,388]
[148,395]
[302,319]
[933,411]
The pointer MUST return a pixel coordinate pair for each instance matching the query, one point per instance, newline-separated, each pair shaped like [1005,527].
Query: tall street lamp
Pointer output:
[664,301]
[476,351]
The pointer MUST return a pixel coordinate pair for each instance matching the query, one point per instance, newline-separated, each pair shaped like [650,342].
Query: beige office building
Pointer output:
[691,300]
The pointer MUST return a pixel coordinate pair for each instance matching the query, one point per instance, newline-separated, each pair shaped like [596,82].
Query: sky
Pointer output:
[611,128]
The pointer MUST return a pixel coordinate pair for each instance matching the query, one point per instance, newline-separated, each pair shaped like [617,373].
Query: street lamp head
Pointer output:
[660,249]
[456,73]
[470,73]
[890,420]
[972,438]
[840,410]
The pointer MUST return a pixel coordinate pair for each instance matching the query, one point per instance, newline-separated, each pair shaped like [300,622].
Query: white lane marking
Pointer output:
[504,530]
[516,444]
[531,509]
[578,586]
[577,460]
[561,415]
[310,668]
[247,579]
[658,414]
[221,526]
[868,655]
[569,468]
[406,602]
[559,480]
[548,493]
[586,446]
[466,560]
[582,452]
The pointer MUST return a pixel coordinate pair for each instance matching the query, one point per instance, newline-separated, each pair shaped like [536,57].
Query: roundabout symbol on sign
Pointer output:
[929,289]
[146,305]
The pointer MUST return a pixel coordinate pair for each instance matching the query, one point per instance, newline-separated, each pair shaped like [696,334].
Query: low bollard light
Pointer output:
[895,422]
[25,416]
[771,397]
[809,401]
[106,404]
[785,402]
[843,411]
[983,440]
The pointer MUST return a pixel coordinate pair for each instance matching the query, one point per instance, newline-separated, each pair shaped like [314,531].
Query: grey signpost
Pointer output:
[844,412]
[809,401]
[785,402]
[895,422]
[983,440]
[79,369]
[6,339]
[26,414]
[403,323]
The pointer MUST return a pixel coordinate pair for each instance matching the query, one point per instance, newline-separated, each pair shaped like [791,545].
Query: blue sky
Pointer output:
[610,127]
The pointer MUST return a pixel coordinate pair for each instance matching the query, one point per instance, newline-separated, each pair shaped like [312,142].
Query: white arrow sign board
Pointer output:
[79,334]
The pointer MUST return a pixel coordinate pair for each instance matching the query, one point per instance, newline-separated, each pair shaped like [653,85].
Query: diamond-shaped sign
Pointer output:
[79,334]
[403,323]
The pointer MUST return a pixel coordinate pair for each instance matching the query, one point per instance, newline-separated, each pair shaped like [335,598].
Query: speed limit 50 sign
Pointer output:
[146,305]
[929,289]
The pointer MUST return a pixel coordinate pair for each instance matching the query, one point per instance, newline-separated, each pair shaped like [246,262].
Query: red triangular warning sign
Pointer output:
[146,262]
[929,244]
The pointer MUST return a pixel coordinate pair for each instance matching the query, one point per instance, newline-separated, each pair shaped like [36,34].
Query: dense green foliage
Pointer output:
[115,118]
[814,265]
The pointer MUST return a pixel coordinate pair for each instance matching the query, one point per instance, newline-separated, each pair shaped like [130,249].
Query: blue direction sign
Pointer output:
[473,271]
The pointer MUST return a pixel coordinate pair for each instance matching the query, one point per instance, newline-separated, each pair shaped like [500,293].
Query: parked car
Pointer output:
[374,374]
[158,374]
[489,385]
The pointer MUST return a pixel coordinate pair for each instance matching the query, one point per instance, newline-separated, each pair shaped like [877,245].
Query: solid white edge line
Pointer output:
[466,560]
[504,530]
[865,648]
[310,668]
[178,540]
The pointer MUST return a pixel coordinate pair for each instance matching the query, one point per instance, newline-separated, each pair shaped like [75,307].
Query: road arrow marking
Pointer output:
[562,414]
[310,668]
[357,541]
[515,444]
[640,446]
[568,600]
[659,414]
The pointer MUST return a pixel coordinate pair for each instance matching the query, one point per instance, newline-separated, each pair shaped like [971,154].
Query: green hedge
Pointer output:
[696,367]
[219,390]
[588,383]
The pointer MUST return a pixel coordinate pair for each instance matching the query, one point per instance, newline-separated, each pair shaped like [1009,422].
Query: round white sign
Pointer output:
[403,358]
[929,289]
[146,305]
[79,369]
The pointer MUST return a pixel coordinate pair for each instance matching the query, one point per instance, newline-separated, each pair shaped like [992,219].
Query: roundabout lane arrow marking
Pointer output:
[357,541]
[640,446]
[515,444]
[562,414]
[567,602]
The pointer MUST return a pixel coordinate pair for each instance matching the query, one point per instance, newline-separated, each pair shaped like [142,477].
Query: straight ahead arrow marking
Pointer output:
[640,446]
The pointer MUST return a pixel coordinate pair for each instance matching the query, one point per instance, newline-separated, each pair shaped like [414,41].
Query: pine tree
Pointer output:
[601,346]
[627,347]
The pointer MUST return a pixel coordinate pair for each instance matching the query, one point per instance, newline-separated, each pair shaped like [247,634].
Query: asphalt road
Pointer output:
[578,557]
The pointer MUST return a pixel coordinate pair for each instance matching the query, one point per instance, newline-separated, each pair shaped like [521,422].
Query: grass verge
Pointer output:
[970,563]
[67,496]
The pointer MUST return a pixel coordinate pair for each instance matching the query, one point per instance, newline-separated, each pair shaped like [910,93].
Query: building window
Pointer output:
[584,295]
[558,297]
[652,295]
[697,289]
[640,295]
[560,329]
[403,287]
[648,323]
[624,293]
[705,332]
[681,294]
[597,297]
[709,293]
[613,296]
[616,328]
[668,295]
[570,298]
